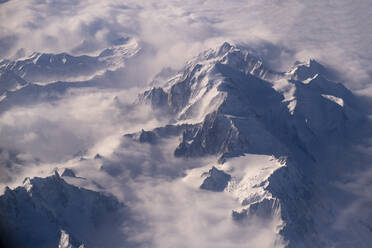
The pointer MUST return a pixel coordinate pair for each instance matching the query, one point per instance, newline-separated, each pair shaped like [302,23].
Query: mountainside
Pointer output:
[230,92]
[236,106]
[47,212]
[46,67]
[43,76]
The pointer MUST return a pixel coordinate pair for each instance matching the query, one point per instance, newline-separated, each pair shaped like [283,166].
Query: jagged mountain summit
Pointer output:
[217,180]
[47,212]
[43,77]
[228,103]
[47,67]
[230,92]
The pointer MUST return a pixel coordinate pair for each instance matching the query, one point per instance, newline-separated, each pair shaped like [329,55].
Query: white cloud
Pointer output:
[336,32]
[178,215]
[83,121]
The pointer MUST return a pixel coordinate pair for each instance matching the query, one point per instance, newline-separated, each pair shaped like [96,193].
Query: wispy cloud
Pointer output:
[334,32]
[83,121]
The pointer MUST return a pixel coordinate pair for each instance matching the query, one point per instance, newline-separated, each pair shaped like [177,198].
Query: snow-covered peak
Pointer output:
[237,57]
[225,48]
[307,70]
[228,93]
[45,68]
[216,74]
[200,89]
[27,184]
[47,212]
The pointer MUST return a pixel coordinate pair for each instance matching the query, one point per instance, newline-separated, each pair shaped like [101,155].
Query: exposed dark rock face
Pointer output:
[68,173]
[217,180]
[34,215]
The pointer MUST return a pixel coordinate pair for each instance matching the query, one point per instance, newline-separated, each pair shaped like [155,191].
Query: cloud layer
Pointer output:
[84,122]
[336,32]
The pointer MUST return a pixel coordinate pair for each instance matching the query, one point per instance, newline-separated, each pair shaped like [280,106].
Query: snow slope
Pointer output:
[47,212]
[43,68]
[44,77]
[237,106]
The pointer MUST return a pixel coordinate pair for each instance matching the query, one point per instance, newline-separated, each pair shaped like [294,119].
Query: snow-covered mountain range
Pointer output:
[283,148]
[43,76]
[44,67]
[238,106]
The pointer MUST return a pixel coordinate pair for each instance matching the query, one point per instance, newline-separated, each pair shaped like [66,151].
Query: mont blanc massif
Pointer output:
[226,152]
